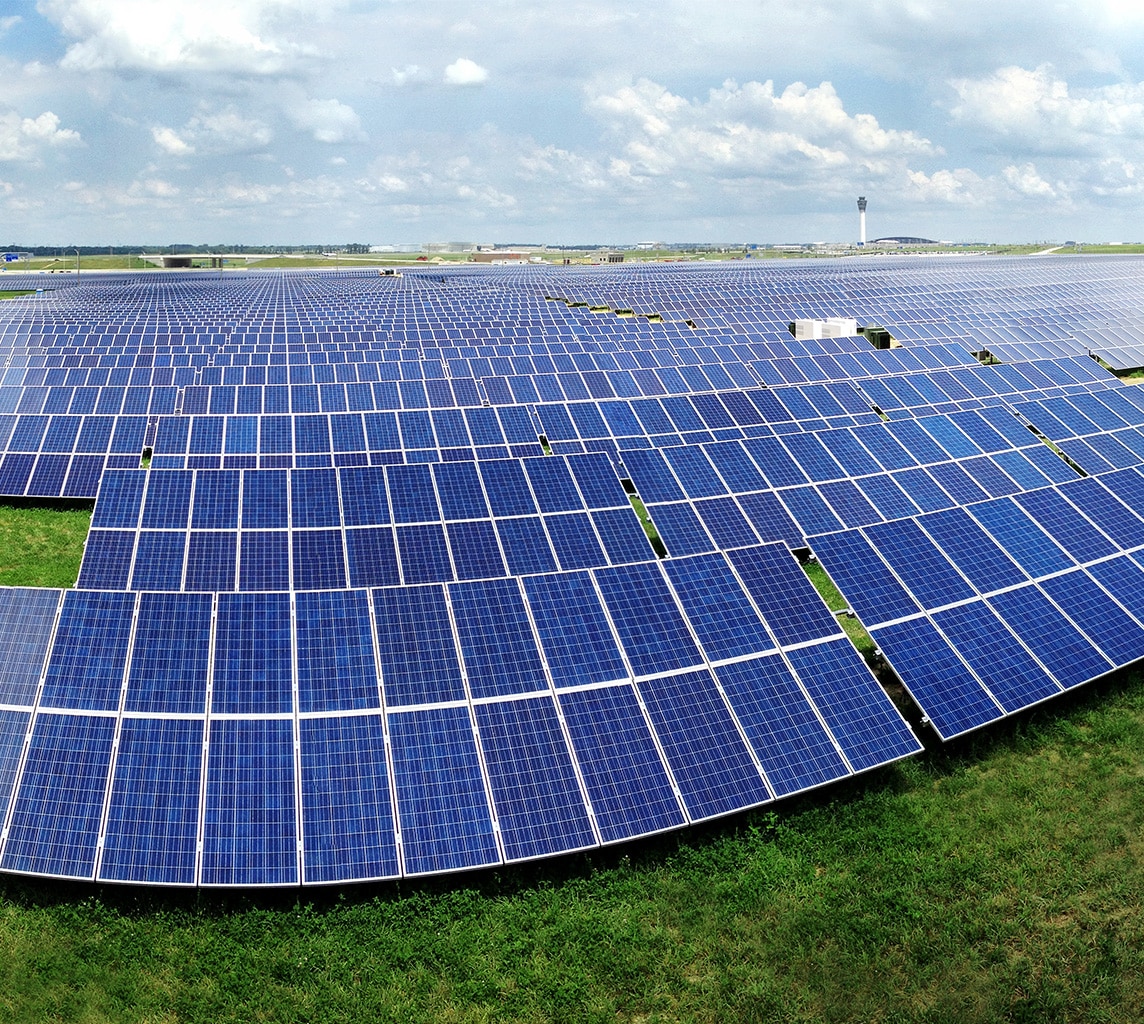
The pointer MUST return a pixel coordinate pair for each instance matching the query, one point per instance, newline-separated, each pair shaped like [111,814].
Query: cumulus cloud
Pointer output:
[465,72]
[750,130]
[175,36]
[1038,110]
[222,131]
[24,138]
[407,74]
[327,121]
[167,139]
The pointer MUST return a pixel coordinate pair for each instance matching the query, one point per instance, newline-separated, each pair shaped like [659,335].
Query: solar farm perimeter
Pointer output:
[366,595]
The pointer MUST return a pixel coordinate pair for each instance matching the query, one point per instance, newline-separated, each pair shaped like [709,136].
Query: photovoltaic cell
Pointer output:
[153,814]
[578,643]
[442,806]
[336,668]
[995,655]
[419,662]
[652,631]
[253,655]
[55,814]
[707,755]
[865,723]
[87,659]
[497,641]
[1068,655]
[27,618]
[535,791]
[723,617]
[347,815]
[629,788]
[791,743]
[250,833]
[170,660]
[953,699]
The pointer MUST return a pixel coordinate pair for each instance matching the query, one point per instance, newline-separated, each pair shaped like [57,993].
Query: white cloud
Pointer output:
[1028,182]
[167,139]
[465,72]
[1038,110]
[9,23]
[327,121]
[23,138]
[750,130]
[175,35]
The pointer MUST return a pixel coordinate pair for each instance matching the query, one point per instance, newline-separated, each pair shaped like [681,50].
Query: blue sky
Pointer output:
[390,121]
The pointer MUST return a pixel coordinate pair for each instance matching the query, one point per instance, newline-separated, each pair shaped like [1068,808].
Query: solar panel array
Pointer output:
[365,594]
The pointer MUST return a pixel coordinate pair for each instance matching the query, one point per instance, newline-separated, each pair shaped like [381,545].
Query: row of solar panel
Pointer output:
[808,715]
[986,609]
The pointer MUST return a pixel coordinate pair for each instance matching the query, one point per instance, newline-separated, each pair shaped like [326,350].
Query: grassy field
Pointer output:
[41,547]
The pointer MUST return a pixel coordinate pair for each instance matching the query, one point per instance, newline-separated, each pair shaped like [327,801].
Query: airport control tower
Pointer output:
[861,220]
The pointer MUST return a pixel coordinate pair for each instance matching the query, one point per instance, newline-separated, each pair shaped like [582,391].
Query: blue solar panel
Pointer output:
[419,662]
[720,613]
[791,743]
[264,505]
[253,655]
[790,605]
[1115,634]
[652,632]
[972,550]
[574,540]
[707,756]
[442,806]
[994,653]
[120,499]
[497,641]
[424,554]
[319,560]
[525,545]
[335,662]
[1028,546]
[347,814]
[170,657]
[250,832]
[264,560]
[1065,525]
[864,579]
[54,825]
[918,563]
[364,498]
[159,557]
[1068,655]
[153,812]
[216,500]
[314,498]
[865,724]
[86,663]
[27,618]
[13,730]
[540,808]
[628,786]
[953,699]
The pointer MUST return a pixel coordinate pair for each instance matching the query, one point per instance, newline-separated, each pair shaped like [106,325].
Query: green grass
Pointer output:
[41,547]
[836,603]
[999,879]
[15,293]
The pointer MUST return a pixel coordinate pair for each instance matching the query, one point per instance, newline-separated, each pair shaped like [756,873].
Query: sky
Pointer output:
[569,121]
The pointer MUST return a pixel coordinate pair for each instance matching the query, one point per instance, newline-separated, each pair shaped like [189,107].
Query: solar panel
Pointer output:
[383,566]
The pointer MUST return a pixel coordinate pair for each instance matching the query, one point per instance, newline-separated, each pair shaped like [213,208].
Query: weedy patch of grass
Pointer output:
[41,547]
[999,878]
